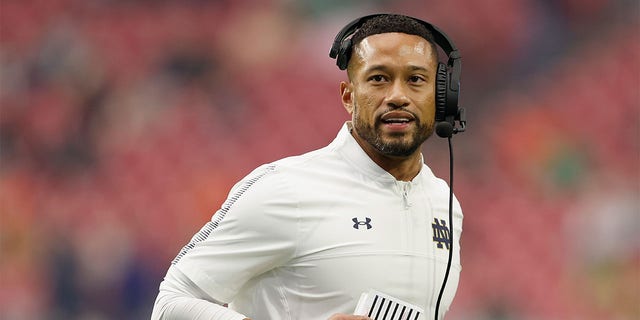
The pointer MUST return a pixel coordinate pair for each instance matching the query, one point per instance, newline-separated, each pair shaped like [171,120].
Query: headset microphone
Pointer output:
[444,129]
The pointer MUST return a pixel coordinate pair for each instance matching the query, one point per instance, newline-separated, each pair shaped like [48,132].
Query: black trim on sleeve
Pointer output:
[206,230]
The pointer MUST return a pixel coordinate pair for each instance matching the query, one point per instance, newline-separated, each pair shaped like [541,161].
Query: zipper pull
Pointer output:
[405,195]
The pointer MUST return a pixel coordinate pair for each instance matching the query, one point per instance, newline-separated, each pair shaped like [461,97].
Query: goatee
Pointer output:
[395,145]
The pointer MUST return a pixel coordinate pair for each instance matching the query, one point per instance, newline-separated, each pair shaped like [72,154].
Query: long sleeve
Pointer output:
[179,299]
[253,233]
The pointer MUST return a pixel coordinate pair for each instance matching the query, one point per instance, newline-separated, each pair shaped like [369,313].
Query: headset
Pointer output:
[447,109]
[447,76]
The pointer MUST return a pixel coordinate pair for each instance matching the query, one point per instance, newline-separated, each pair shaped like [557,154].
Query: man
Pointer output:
[305,236]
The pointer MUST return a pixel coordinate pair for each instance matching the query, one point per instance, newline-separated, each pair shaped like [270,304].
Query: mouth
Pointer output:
[397,119]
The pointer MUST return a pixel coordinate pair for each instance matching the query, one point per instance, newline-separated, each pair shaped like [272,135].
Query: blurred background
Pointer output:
[123,124]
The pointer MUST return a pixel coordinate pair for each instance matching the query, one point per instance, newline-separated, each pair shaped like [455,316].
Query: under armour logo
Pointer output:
[441,233]
[357,223]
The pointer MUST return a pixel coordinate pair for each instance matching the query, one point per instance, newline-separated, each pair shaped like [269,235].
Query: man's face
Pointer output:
[390,95]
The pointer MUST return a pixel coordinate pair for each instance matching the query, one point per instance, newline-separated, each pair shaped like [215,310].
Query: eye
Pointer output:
[377,78]
[417,79]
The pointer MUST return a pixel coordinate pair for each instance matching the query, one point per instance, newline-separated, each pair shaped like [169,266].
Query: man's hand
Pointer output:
[342,316]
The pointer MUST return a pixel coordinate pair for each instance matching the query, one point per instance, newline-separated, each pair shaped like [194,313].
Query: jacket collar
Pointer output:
[349,148]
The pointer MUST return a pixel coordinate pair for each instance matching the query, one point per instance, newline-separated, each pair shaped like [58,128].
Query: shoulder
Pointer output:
[305,168]
[286,177]
[432,181]
[438,187]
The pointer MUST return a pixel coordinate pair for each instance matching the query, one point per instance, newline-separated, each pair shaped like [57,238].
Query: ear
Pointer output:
[346,94]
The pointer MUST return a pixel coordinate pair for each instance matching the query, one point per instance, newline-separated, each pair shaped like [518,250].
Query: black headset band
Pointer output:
[439,37]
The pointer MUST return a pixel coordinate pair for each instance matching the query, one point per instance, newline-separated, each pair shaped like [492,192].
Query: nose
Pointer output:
[397,95]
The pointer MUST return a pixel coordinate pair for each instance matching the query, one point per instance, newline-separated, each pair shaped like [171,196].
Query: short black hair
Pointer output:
[392,23]
[387,23]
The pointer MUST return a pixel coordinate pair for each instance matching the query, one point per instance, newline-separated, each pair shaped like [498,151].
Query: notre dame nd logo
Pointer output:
[441,233]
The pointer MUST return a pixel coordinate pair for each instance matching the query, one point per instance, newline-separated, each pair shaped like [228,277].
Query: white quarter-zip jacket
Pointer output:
[305,236]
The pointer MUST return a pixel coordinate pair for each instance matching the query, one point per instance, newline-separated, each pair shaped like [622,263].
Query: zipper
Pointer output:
[405,187]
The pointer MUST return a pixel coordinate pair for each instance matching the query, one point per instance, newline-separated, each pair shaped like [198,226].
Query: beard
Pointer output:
[398,145]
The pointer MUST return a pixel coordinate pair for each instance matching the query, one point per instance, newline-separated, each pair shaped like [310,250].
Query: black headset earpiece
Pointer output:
[441,92]
[344,53]
[447,76]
